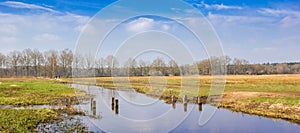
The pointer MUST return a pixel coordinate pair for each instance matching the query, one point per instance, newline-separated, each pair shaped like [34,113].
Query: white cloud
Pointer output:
[278,12]
[53,31]
[8,29]
[287,18]
[15,4]
[8,39]
[46,37]
[232,20]
[165,27]
[218,6]
[140,24]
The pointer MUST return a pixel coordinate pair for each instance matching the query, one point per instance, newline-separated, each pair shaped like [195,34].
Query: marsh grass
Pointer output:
[32,92]
[12,120]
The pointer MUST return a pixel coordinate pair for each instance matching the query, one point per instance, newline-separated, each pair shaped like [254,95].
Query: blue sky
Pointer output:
[256,30]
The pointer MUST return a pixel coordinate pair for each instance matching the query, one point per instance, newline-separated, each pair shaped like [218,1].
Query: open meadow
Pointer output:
[274,96]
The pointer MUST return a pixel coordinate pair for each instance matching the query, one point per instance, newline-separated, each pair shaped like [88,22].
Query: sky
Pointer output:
[256,30]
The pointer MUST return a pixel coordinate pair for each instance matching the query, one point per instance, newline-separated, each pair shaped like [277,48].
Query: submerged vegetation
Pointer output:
[12,120]
[29,92]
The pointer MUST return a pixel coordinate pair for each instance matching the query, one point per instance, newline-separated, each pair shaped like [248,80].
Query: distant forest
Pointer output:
[59,63]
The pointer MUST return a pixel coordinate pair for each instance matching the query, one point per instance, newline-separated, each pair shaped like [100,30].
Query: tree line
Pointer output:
[62,63]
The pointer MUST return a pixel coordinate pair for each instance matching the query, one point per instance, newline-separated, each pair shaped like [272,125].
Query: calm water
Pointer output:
[137,112]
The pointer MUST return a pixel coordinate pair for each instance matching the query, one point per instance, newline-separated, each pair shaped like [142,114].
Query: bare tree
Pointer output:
[37,62]
[27,60]
[173,68]
[51,63]
[65,61]
[131,67]
[111,64]
[158,67]
[14,59]
[2,63]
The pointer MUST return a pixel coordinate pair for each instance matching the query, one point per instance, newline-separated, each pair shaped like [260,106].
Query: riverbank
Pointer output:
[24,92]
[274,96]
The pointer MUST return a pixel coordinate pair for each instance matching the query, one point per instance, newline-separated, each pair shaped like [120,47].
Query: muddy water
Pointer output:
[135,112]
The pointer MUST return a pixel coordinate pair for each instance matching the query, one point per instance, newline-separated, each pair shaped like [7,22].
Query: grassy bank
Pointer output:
[24,92]
[29,91]
[275,96]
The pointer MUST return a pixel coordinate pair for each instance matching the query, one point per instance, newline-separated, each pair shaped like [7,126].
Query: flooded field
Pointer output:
[129,111]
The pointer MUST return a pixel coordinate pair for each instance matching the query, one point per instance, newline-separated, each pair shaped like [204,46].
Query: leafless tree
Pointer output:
[14,59]
[65,61]
[37,62]
[51,63]
[2,63]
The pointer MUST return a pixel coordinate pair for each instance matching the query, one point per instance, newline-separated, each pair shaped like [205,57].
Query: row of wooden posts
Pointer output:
[115,104]
[185,101]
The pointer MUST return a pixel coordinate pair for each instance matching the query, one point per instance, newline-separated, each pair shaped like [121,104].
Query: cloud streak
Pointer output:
[218,6]
[21,5]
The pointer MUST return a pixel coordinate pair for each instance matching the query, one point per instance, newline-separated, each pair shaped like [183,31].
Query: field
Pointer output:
[275,96]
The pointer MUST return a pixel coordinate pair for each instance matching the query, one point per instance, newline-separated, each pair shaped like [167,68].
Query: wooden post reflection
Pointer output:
[173,100]
[184,107]
[173,105]
[92,103]
[94,108]
[184,100]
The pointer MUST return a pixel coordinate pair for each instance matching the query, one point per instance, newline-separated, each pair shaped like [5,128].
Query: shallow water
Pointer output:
[139,113]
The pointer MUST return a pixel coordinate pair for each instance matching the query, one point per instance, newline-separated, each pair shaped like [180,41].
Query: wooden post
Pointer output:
[184,99]
[112,103]
[116,106]
[198,100]
[200,106]
[173,99]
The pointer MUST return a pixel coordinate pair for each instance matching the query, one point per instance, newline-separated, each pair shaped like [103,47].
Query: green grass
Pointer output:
[273,100]
[32,92]
[12,120]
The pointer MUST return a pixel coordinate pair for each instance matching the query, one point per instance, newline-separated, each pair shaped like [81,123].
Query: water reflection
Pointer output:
[108,104]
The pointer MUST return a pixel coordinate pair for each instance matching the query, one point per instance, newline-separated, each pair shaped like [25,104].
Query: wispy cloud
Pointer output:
[278,12]
[15,4]
[218,6]
[287,18]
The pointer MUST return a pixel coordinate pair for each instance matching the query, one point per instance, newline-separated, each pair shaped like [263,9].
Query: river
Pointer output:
[135,112]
